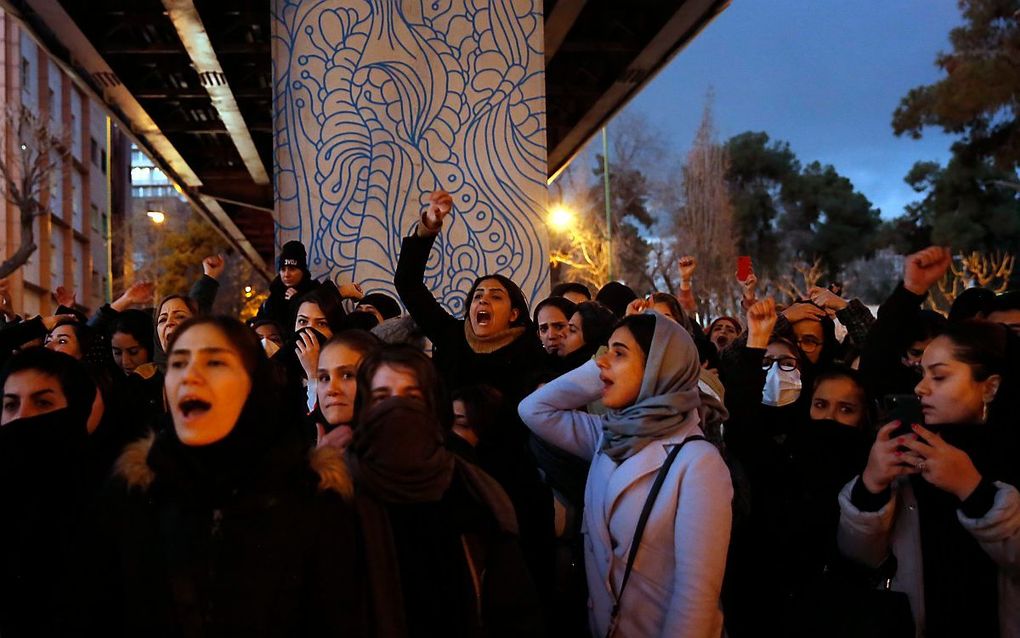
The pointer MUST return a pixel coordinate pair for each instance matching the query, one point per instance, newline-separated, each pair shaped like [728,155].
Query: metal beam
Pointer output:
[192,32]
[558,24]
[125,109]
[675,34]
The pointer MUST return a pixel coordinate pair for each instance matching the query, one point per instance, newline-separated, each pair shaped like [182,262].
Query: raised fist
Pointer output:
[213,265]
[688,265]
[761,320]
[923,269]
[440,205]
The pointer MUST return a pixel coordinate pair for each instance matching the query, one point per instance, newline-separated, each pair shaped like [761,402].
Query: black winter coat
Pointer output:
[511,370]
[269,552]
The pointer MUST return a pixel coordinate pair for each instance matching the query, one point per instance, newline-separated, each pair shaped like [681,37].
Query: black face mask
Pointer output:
[23,442]
[838,450]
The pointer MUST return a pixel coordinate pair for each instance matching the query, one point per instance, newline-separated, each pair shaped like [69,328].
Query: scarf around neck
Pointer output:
[492,343]
[668,399]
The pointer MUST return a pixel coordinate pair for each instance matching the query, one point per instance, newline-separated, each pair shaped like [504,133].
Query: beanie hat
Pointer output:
[385,304]
[293,254]
[616,297]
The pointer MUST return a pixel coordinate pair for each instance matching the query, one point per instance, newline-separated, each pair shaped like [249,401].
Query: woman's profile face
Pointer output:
[310,315]
[171,314]
[29,393]
[574,339]
[621,370]
[948,391]
[206,385]
[64,339]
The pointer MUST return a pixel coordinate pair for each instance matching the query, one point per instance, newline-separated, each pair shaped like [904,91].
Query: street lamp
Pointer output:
[561,219]
[157,216]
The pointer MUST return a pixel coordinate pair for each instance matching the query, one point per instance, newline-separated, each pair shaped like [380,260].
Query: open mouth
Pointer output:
[606,384]
[483,318]
[723,341]
[192,408]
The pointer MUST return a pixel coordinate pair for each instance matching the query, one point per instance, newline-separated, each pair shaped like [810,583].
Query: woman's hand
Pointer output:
[801,311]
[924,269]
[140,292]
[65,297]
[748,287]
[637,306]
[944,466]
[307,347]
[351,291]
[827,299]
[339,437]
[761,320]
[51,322]
[213,266]
[440,205]
[886,461]
[688,264]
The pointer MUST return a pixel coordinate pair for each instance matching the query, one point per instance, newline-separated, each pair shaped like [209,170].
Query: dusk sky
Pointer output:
[824,76]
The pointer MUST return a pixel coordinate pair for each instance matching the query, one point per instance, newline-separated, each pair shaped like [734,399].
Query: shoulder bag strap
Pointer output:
[642,521]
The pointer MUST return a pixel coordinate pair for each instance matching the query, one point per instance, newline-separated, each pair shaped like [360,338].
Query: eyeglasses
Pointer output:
[809,344]
[785,363]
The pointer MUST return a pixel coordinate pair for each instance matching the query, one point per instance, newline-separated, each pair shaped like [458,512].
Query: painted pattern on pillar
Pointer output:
[378,102]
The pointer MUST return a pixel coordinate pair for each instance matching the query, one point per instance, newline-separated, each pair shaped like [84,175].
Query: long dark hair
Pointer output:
[989,348]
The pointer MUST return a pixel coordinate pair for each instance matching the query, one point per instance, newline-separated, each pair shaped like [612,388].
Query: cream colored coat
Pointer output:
[677,576]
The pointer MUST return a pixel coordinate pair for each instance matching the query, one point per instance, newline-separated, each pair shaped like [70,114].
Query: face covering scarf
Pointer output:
[782,387]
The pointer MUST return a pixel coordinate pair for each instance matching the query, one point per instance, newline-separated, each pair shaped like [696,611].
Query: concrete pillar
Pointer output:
[378,102]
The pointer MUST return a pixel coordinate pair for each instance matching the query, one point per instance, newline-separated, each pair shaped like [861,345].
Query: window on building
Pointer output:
[102,160]
[94,151]
[26,77]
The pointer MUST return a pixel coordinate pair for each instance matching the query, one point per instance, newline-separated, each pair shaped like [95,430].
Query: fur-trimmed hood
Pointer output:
[328,464]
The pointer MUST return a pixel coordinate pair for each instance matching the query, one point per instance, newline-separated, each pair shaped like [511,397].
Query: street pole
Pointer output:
[609,215]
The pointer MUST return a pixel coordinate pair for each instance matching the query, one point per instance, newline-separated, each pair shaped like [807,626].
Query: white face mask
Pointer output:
[782,387]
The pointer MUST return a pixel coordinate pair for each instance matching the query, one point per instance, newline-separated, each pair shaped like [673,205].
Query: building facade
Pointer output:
[75,233]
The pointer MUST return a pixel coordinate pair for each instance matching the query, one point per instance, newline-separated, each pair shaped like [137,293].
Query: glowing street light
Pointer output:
[248,292]
[561,219]
[157,216]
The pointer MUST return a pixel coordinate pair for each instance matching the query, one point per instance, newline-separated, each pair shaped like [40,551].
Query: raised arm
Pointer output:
[551,411]
[409,278]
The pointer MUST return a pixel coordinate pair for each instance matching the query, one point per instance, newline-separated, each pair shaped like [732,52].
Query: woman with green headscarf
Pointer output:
[648,380]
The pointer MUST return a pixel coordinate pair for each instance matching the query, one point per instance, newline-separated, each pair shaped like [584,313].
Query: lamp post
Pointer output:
[158,218]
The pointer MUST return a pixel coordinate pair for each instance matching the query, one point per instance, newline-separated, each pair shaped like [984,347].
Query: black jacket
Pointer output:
[268,551]
[511,370]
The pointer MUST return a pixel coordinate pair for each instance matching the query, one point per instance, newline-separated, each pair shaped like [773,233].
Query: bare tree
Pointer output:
[23,179]
[991,271]
[704,224]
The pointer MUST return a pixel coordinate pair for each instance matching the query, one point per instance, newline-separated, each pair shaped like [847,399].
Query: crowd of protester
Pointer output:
[601,465]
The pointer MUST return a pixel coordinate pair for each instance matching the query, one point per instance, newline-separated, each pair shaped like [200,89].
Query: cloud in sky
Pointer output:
[824,76]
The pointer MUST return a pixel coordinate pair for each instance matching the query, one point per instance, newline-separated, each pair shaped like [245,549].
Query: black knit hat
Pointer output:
[385,304]
[293,254]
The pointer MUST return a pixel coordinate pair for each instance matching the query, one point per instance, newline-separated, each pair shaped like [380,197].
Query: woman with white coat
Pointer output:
[938,503]
[648,380]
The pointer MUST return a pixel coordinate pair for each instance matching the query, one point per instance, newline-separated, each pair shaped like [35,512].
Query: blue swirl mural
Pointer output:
[378,102]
